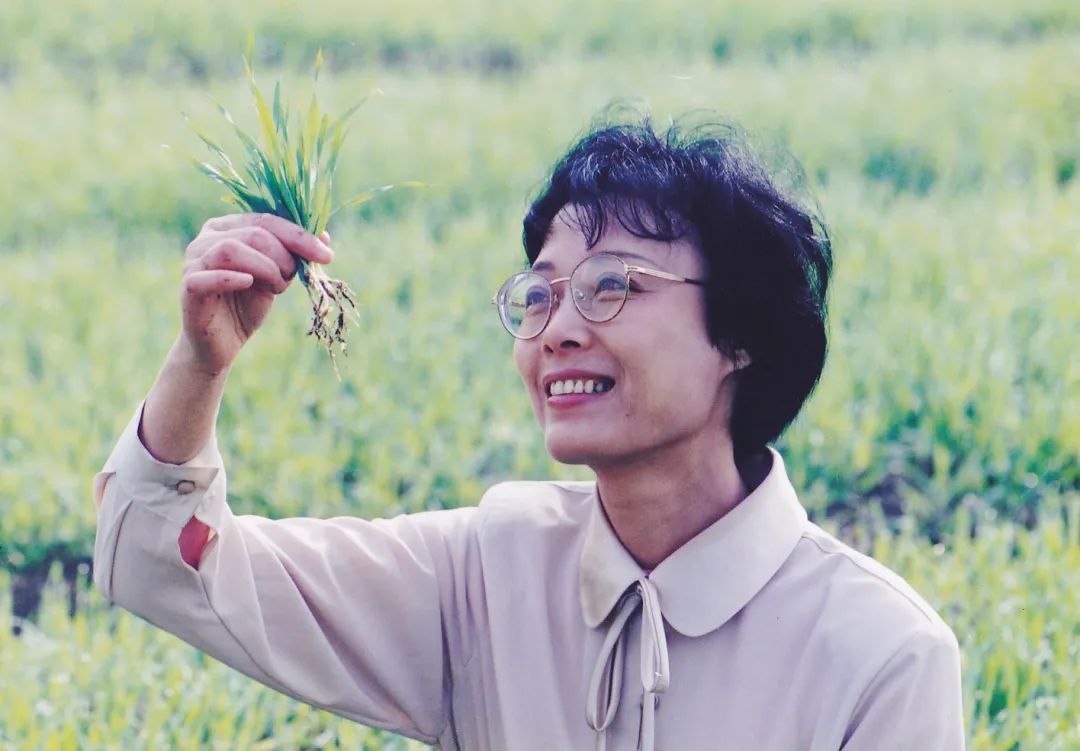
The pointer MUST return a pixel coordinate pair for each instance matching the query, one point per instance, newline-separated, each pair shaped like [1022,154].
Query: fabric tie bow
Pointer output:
[605,685]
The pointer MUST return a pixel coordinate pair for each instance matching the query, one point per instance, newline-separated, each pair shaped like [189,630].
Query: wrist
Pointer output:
[181,409]
[184,357]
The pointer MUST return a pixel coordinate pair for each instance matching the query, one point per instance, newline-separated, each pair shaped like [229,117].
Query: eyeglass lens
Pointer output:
[597,286]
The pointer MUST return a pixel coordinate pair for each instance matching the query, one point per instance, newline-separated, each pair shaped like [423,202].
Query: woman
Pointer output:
[671,324]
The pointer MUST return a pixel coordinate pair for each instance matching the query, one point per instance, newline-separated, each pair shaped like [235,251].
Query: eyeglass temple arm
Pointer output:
[664,275]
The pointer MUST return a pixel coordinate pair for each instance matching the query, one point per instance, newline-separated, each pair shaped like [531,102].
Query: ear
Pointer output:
[742,359]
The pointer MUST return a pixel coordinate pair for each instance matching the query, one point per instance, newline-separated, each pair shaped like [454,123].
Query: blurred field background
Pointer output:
[941,140]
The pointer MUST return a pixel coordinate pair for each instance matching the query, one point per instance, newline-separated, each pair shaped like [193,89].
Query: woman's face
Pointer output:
[667,388]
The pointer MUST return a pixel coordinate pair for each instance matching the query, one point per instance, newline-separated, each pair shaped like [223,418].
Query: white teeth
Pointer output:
[590,386]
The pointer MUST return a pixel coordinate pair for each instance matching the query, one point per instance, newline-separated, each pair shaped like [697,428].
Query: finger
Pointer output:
[266,243]
[218,281]
[236,256]
[292,236]
[325,237]
[255,237]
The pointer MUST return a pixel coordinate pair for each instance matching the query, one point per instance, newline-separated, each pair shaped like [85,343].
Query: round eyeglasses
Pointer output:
[599,286]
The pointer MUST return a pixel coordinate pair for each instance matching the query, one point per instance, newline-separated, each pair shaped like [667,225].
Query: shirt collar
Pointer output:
[710,578]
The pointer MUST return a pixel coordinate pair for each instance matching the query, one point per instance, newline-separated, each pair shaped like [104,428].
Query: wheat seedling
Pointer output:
[290,174]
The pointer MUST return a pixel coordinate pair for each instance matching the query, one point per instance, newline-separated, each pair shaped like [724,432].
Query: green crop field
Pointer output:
[940,138]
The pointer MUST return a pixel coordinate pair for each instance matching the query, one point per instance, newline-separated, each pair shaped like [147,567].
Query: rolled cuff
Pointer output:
[174,492]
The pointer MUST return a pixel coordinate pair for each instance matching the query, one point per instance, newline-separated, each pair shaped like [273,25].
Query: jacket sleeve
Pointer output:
[357,617]
[914,703]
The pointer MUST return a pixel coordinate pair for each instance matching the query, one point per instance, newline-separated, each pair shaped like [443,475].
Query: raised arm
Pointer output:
[358,617]
[233,270]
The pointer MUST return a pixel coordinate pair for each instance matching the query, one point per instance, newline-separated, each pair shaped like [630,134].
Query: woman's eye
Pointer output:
[611,284]
[536,296]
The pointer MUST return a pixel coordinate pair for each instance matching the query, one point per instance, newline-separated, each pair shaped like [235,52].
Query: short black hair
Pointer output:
[768,256]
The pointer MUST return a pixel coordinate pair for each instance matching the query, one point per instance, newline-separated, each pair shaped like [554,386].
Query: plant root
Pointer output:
[332,303]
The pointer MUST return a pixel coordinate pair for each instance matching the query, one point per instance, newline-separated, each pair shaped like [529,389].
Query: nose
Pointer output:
[567,328]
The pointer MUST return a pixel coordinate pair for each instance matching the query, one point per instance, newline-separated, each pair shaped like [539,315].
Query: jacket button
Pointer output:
[185,486]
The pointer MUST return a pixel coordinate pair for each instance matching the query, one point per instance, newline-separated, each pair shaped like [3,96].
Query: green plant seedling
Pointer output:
[290,174]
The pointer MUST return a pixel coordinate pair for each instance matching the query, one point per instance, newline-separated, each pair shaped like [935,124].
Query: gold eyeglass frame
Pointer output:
[555,295]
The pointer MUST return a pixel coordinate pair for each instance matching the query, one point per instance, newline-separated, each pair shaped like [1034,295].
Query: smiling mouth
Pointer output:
[580,386]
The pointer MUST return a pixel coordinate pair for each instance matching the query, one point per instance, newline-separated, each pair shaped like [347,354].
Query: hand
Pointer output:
[232,271]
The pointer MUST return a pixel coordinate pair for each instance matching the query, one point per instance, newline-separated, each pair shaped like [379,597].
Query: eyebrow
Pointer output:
[624,254]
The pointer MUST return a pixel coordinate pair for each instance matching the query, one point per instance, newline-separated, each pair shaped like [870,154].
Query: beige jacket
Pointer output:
[522,623]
